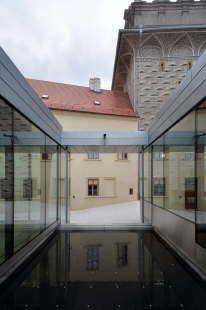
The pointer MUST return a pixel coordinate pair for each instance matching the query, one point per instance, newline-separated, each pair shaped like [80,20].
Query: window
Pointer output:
[93,187]
[190,155]
[189,65]
[131,191]
[179,81]
[162,66]
[93,155]
[190,184]
[158,155]
[46,156]
[122,255]
[122,156]
[92,258]
[29,188]
[158,187]
[2,188]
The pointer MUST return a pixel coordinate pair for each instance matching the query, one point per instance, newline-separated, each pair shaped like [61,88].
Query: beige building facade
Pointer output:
[95,179]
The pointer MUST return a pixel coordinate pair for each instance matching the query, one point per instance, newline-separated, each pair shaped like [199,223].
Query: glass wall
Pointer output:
[158,181]
[175,170]
[201,174]
[147,174]
[179,168]
[30,181]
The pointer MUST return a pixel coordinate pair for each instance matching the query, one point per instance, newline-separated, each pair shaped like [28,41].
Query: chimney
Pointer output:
[91,84]
[97,85]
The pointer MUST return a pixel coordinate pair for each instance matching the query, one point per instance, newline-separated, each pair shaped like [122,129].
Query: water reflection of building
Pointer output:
[104,257]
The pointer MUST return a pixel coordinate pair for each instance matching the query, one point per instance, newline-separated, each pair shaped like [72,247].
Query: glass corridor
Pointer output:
[175,171]
[32,181]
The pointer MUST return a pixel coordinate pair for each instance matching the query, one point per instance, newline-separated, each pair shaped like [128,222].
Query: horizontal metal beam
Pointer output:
[104,141]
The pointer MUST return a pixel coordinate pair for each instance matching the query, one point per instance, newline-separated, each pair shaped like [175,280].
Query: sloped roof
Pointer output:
[81,99]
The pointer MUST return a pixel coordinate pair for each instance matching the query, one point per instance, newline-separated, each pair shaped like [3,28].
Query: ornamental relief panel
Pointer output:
[121,67]
[151,41]
[134,40]
[181,50]
[202,49]
[151,51]
[183,40]
[197,40]
[127,59]
[125,47]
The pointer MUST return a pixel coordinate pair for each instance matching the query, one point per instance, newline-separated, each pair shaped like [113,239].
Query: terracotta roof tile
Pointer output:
[81,99]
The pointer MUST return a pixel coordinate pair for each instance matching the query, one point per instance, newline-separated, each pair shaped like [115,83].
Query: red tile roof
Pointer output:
[81,99]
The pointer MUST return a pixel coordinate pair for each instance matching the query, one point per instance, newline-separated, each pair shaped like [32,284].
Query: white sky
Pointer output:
[62,40]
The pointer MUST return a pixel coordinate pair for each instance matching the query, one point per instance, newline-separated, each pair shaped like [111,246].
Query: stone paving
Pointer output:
[123,213]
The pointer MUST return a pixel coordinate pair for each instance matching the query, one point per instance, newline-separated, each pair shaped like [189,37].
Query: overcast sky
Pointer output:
[62,40]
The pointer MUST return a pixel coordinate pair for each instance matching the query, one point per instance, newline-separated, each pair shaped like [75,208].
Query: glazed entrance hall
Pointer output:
[34,174]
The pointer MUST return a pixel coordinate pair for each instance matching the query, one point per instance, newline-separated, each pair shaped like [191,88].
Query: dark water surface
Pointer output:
[104,270]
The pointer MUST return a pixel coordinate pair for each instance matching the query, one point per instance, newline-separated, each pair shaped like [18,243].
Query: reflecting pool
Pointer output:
[104,270]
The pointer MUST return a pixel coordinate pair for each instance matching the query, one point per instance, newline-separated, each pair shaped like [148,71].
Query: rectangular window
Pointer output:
[93,187]
[179,81]
[46,156]
[122,156]
[190,155]
[162,66]
[93,155]
[93,258]
[189,65]
[158,187]
[29,188]
[122,255]
[131,191]
[158,155]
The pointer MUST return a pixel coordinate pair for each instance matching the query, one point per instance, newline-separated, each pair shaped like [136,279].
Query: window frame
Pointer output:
[121,156]
[98,186]
[164,187]
[92,156]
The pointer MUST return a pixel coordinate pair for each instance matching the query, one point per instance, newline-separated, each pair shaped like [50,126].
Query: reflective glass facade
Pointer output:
[32,181]
[175,171]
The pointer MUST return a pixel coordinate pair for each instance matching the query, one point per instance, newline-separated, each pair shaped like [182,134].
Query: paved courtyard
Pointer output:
[123,213]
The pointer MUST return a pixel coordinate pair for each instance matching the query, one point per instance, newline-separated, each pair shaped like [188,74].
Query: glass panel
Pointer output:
[158,175]
[52,184]
[62,185]
[178,168]
[201,175]
[29,181]
[6,181]
[147,174]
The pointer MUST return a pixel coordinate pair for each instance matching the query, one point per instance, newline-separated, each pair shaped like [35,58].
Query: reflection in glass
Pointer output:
[179,168]
[52,175]
[158,181]
[6,181]
[29,181]
[201,174]
[147,174]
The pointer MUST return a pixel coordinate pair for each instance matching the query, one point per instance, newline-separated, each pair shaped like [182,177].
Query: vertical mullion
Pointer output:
[142,184]
[67,215]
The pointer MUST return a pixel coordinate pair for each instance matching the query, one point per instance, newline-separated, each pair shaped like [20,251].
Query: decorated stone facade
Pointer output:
[173,37]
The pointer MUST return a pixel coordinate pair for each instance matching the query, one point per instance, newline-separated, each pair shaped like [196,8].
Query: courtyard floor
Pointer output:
[123,213]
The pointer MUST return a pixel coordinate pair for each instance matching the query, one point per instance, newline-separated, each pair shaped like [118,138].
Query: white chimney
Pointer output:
[91,84]
[97,83]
